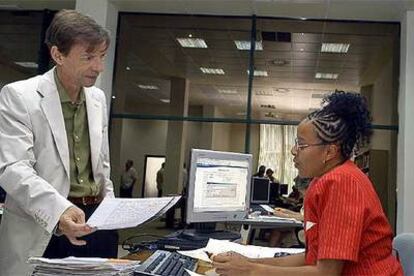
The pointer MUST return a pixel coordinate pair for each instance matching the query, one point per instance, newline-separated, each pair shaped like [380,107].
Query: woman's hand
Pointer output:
[231,263]
[283,213]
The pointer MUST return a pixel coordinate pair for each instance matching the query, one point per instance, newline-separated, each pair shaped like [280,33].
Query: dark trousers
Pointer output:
[159,192]
[126,192]
[102,243]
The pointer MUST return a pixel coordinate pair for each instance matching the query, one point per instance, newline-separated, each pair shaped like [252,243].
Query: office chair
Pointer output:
[404,245]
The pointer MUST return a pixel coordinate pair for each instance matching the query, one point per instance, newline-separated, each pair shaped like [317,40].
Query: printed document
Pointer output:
[119,213]
[215,247]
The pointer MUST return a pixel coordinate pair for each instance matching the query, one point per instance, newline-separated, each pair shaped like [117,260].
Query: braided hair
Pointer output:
[344,119]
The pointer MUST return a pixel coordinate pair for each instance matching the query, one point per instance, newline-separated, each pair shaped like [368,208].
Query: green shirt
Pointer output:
[77,131]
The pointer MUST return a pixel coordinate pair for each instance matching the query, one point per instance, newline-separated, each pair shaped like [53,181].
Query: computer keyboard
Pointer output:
[167,263]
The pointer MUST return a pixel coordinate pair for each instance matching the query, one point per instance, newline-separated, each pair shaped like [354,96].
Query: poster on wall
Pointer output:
[152,165]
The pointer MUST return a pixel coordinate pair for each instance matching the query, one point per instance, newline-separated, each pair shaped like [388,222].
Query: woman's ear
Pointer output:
[333,151]
[56,55]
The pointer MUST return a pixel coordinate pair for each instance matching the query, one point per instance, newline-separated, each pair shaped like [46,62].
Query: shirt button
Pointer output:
[77,159]
[76,138]
[81,180]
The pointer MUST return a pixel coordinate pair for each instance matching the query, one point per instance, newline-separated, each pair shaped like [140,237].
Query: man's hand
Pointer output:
[231,263]
[72,225]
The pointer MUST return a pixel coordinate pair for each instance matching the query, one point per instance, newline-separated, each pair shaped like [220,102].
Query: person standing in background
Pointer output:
[269,175]
[128,179]
[54,151]
[160,179]
[260,172]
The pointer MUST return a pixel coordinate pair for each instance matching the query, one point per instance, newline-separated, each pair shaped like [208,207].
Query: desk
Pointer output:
[249,225]
[202,266]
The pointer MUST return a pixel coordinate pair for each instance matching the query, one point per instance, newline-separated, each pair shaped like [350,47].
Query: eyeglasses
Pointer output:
[298,146]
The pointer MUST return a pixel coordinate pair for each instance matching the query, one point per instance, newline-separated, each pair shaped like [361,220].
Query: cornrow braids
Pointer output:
[343,119]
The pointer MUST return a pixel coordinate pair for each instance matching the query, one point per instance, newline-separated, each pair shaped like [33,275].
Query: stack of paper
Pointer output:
[82,266]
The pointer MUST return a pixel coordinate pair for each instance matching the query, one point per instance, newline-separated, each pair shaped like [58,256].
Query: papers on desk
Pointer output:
[119,213]
[82,266]
[251,251]
[267,208]
[273,217]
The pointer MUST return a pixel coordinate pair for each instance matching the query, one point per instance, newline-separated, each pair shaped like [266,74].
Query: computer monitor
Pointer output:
[283,189]
[219,186]
[274,192]
[260,190]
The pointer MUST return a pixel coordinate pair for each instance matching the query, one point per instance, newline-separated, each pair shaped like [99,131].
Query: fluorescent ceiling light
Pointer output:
[212,71]
[258,73]
[165,100]
[326,76]
[241,113]
[245,45]
[9,7]
[27,64]
[148,87]
[192,42]
[264,93]
[282,90]
[227,91]
[269,106]
[318,96]
[335,47]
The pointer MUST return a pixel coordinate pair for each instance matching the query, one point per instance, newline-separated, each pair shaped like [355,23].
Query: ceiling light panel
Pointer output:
[245,45]
[148,87]
[258,73]
[192,42]
[212,71]
[227,91]
[264,93]
[326,76]
[335,48]
[318,96]
[165,100]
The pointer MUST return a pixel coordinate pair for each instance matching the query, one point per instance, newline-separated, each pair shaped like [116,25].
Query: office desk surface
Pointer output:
[269,222]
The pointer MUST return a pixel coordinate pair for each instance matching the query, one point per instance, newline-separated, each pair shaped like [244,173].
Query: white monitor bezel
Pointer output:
[215,216]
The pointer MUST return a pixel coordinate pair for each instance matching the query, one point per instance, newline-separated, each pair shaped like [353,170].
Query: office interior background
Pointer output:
[215,92]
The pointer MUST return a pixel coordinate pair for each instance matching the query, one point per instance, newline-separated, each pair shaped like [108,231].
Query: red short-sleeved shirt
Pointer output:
[344,221]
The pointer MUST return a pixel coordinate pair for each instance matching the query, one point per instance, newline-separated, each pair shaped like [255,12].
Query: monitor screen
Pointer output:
[260,190]
[284,189]
[219,186]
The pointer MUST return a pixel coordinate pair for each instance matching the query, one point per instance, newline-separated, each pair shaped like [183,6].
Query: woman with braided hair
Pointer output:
[346,231]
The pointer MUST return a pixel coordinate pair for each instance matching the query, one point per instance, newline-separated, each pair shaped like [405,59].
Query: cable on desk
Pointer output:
[133,247]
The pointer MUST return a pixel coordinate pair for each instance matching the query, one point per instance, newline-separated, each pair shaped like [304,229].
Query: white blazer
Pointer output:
[34,165]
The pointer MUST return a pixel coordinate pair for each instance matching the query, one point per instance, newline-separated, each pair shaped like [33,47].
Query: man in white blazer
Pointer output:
[54,155]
